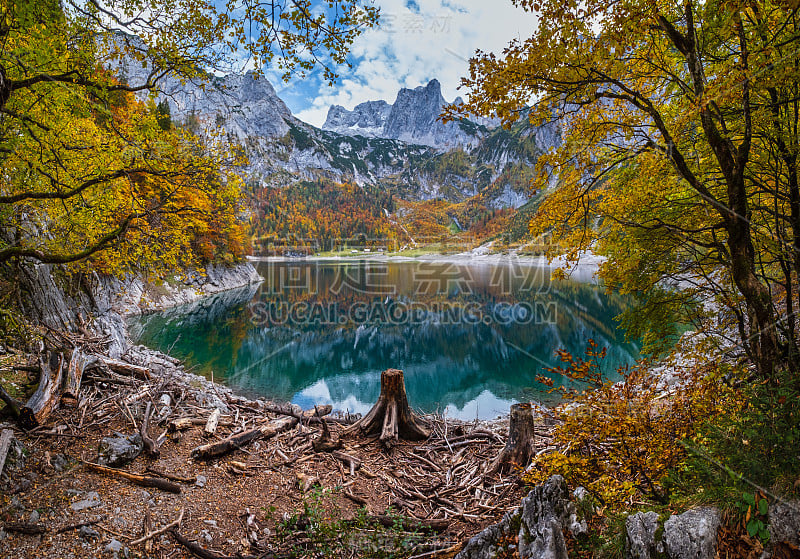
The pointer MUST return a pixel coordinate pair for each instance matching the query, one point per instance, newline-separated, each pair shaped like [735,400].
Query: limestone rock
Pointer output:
[91,500]
[640,535]
[120,449]
[693,534]
[784,522]
[539,524]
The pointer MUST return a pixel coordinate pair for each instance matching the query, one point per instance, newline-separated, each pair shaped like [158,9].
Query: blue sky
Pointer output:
[418,40]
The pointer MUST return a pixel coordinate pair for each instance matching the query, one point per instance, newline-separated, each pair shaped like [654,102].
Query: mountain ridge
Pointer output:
[404,146]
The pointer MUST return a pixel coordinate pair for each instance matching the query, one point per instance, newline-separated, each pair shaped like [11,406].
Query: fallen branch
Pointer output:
[124,368]
[79,525]
[355,498]
[174,524]
[143,481]
[211,424]
[309,416]
[183,423]
[25,528]
[351,461]
[173,477]
[325,443]
[12,405]
[410,524]
[202,553]
[244,438]
[150,446]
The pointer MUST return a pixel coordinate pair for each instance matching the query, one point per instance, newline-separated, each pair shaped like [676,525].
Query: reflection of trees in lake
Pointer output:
[444,363]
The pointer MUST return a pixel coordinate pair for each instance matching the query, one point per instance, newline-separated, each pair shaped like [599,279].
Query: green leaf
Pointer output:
[762,506]
[753,527]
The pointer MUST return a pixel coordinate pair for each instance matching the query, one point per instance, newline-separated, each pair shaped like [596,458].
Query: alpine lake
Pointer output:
[471,337]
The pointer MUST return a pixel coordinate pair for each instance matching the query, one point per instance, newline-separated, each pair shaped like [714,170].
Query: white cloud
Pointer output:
[432,39]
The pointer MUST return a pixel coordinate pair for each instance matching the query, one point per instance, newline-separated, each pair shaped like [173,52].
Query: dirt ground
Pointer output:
[272,497]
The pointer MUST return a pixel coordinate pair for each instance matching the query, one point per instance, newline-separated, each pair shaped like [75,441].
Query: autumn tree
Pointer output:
[89,163]
[679,150]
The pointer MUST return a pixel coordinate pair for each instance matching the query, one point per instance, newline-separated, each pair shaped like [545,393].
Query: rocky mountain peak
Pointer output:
[366,119]
[413,118]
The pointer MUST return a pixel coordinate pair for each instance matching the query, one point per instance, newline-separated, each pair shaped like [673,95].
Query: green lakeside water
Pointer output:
[471,338]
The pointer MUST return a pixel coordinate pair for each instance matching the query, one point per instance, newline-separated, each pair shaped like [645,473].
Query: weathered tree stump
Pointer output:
[78,363]
[519,445]
[391,415]
[45,399]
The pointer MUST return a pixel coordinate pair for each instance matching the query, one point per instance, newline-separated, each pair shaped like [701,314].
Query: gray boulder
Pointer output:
[784,522]
[119,450]
[539,524]
[693,534]
[91,500]
[640,535]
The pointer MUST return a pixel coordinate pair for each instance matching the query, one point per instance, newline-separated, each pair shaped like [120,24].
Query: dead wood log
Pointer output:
[391,415]
[183,423]
[244,438]
[12,405]
[307,416]
[150,446]
[357,499]
[78,525]
[519,446]
[124,368]
[144,481]
[173,477]
[305,482]
[325,443]
[150,534]
[211,424]
[203,553]
[77,364]
[5,444]
[410,524]
[45,399]
[351,461]
[25,528]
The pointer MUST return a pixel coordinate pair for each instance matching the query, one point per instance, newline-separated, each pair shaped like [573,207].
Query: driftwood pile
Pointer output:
[433,474]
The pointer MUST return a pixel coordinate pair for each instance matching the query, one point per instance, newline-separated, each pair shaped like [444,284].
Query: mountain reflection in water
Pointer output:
[470,338]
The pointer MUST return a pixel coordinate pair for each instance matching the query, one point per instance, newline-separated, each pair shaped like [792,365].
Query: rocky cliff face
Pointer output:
[415,119]
[99,303]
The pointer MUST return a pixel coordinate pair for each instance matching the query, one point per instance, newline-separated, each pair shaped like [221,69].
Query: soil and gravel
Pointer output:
[271,497]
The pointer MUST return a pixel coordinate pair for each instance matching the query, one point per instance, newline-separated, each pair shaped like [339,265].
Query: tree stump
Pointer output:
[391,415]
[45,399]
[519,445]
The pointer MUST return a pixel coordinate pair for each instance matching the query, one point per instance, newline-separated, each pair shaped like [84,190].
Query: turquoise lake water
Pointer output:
[471,338]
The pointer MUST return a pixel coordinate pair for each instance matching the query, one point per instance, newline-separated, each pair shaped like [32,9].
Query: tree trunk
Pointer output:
[45,399]
[391,415]
[77,364]
[5,84]
[519,446]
